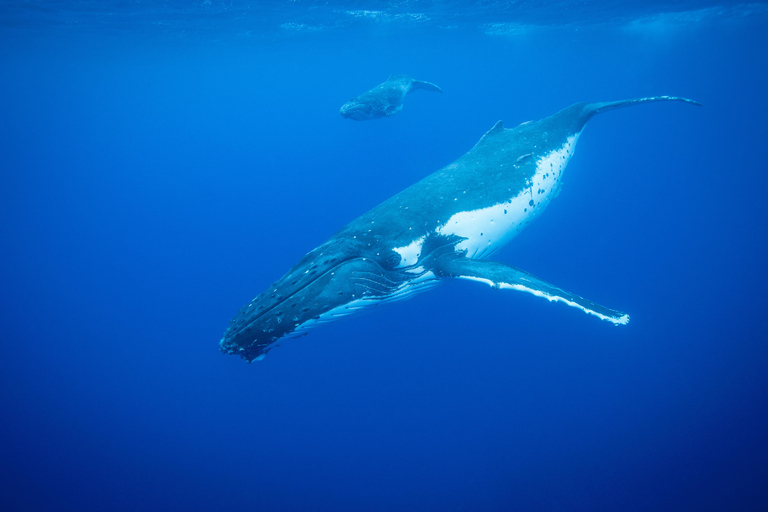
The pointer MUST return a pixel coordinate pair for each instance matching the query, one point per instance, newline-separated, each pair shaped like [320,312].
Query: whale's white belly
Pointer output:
[487,229]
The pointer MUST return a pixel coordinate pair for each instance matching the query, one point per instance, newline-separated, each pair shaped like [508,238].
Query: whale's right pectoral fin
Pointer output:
[501,276]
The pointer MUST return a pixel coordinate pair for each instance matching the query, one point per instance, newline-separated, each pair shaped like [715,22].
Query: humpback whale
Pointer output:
[444,226]
[385,99]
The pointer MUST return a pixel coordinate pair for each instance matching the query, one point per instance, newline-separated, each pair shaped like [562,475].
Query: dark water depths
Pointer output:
[160,164]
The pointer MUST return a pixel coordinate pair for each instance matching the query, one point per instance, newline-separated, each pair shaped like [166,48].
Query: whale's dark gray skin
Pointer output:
[385,99]
[444,226]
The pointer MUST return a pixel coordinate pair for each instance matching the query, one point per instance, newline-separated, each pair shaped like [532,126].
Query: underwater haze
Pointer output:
[163,162]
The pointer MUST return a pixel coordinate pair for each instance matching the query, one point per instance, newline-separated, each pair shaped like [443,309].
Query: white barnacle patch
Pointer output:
[486,229]
[409,254]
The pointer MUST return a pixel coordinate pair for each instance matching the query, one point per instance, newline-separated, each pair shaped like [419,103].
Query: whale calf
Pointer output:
[385,99]
[444,226]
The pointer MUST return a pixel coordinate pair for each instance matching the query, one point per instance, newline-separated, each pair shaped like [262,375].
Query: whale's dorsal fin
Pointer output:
[501,277]
[497,128]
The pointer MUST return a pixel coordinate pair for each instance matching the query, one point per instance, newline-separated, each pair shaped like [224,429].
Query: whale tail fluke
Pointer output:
[596,108]
[419,84]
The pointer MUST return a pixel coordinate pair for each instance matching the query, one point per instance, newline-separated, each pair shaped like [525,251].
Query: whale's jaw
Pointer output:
[356,111]
[289,308]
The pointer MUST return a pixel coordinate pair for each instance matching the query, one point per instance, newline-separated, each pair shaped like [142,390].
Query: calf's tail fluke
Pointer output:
[427,86]
[596,108]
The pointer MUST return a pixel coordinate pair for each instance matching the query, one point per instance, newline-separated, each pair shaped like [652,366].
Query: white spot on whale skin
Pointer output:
[409,254]
[502,221]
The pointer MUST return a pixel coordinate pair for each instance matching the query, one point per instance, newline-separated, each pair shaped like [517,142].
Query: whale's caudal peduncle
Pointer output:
[444,226]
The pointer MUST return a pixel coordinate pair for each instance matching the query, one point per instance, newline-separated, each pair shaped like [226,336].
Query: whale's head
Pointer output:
[357,110]
[332,281]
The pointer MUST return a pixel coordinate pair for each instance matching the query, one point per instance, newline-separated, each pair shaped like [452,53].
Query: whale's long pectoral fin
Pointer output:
[501,276]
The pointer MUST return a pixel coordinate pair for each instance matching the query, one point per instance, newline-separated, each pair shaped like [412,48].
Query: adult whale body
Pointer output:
[385,99]
[444,226]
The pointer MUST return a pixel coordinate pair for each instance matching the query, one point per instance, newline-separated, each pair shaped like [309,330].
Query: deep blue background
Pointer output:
[153,182]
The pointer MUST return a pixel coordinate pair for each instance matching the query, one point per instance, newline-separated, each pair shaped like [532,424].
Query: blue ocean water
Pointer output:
[162,162]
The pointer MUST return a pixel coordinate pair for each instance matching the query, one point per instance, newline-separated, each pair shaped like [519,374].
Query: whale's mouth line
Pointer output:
[261,314]
[402,271]
[376,281]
